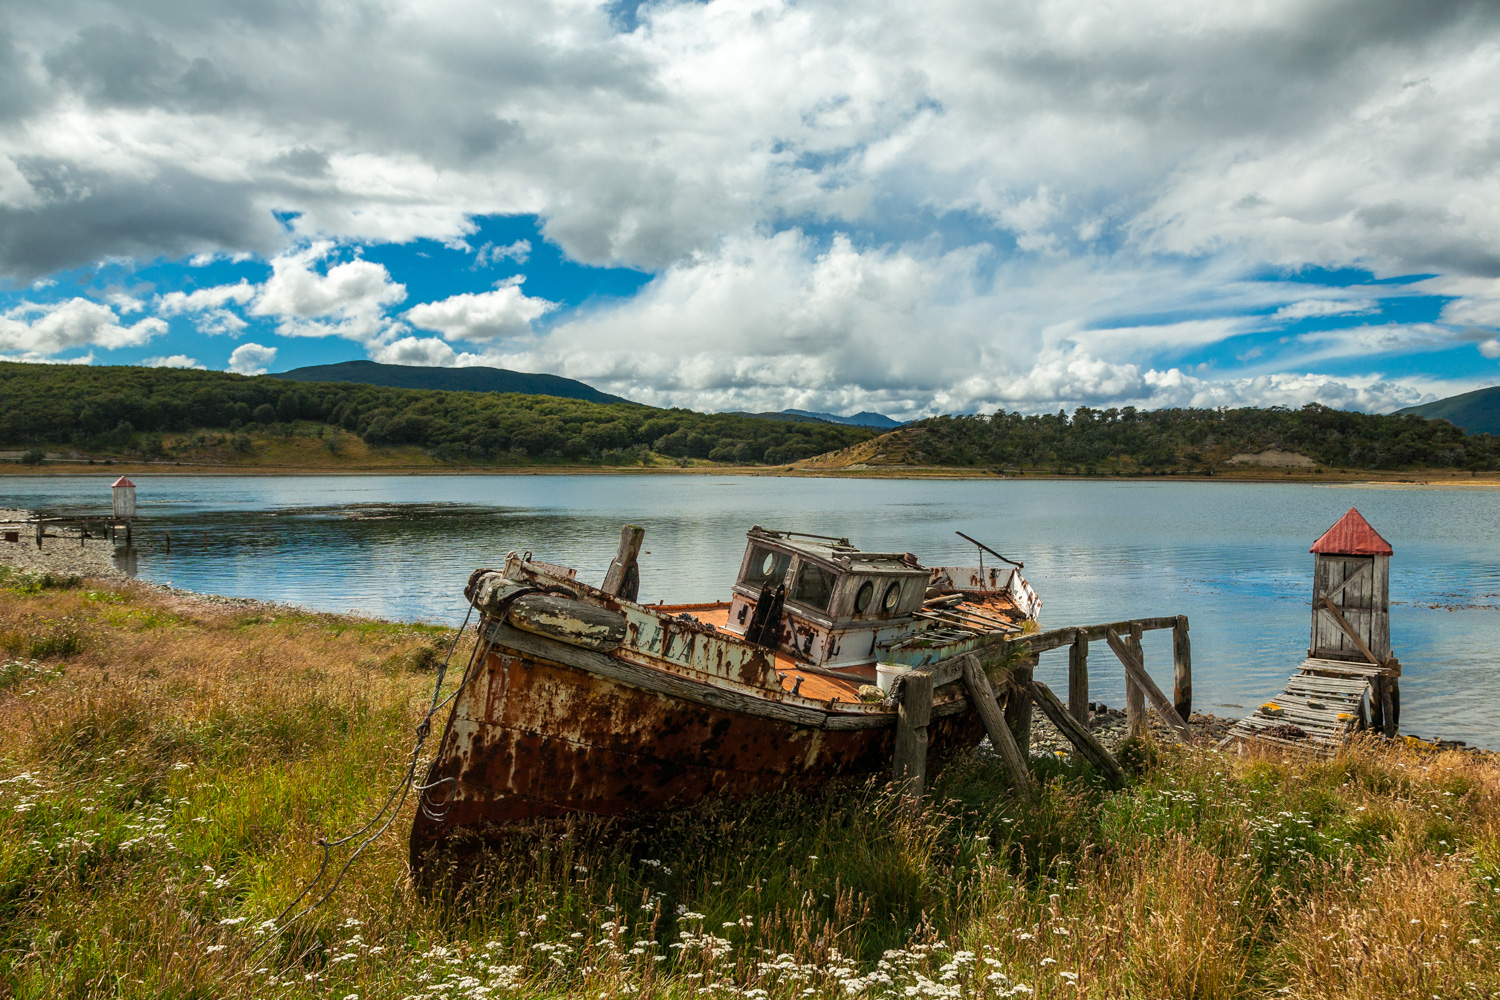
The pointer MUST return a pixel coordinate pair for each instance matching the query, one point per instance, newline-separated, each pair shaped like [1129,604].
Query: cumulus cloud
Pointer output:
[489,254]
[203,299]
[173,361]
[251,359]
[208,307]
[42,329]
[504,312]
[1029,189]
[346,300]
[431,351]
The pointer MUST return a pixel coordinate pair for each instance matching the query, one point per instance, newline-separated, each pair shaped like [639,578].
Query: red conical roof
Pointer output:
[122,481]
[1352,536]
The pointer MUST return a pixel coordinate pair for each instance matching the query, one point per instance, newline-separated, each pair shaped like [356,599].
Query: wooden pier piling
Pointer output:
[913,715]
[1182,669]
[1078,680]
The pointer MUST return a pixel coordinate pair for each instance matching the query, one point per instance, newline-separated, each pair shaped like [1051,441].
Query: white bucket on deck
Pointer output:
[886,674]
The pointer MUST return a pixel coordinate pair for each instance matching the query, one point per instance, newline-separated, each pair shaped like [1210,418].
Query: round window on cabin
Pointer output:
[862,599]
[892,597]
[768,564]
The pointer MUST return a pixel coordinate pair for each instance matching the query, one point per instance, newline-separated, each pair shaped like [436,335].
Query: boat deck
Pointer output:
[818,686]
[981,613]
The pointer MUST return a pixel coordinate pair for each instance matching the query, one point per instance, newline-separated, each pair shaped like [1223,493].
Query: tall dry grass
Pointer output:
[165,769]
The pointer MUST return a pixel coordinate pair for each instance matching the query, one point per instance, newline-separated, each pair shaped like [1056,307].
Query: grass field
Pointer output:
[166,766]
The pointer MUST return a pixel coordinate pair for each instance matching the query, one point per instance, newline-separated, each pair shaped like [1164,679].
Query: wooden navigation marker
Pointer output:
[1135,671]
[1182,669]
[624,577]
[1078,734]
[1018,705]
[915,712]
[983,697]
[1351,565]
[1078,679]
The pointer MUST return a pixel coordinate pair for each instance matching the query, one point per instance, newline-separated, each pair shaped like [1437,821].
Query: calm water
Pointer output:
[1232,557]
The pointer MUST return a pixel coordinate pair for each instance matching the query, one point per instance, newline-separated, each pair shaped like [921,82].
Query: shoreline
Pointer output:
[1423,480]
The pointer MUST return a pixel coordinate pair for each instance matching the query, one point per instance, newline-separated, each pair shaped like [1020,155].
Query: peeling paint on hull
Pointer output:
[532,737]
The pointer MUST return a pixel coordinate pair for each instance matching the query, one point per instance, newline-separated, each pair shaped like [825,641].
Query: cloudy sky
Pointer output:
[752,204]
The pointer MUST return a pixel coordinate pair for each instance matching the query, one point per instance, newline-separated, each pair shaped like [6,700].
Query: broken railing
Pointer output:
[1009,729]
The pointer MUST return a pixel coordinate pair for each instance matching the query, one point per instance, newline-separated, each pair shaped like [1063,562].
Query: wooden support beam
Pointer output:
[624,578]
[1078,734]
[1018,705]
[913,714]
[1338,619]
[982,694]
[1078,680]
[1182,669]
[1135,670]
[1388,707]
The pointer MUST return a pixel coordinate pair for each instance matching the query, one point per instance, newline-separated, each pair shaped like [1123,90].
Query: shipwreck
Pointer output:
[826,662]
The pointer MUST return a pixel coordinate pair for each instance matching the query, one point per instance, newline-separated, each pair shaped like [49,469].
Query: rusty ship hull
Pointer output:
[541,737]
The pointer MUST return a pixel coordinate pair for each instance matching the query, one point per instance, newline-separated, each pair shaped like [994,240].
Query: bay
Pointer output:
[1231,556]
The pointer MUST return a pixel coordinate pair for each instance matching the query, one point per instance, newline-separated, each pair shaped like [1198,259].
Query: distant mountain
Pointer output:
[863,419]
[451,379]
[1476,412]
[785,416]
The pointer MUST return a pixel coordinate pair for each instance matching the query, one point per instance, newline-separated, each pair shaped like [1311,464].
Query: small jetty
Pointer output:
[1350,680]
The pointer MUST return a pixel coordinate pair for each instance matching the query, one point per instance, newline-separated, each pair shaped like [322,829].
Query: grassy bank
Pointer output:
[168,763]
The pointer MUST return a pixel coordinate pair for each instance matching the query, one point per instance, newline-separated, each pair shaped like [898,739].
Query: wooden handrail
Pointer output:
[947,671]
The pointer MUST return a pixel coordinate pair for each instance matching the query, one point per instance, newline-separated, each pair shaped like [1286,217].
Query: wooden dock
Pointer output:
[1006,713]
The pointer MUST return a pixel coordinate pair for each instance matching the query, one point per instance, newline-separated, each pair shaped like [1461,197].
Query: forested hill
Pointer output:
[1477,412]
[475,379]
[1128,441]
[199,416]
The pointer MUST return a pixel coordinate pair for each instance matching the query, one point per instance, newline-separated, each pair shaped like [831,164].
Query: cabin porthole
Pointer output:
[768,564]
[892,598]
[863,597]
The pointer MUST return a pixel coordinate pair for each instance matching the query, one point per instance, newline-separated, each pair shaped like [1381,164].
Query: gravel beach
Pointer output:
[63,552]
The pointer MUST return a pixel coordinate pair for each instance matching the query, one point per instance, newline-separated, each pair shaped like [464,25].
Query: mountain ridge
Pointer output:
[469,379]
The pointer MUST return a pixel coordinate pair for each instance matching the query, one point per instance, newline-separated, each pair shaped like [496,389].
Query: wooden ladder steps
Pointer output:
[1312,701]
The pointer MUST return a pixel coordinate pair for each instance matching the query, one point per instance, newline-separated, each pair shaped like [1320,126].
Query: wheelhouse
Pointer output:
[821,598]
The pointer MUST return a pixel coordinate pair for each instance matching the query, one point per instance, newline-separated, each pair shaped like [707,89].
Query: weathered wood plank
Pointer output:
[1333,594]
[569,621]
[623,577]
[982,694]
[913,715]
[1349,630]
[1078,680]
[1182,668]
[1135,671]
[1078,734]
